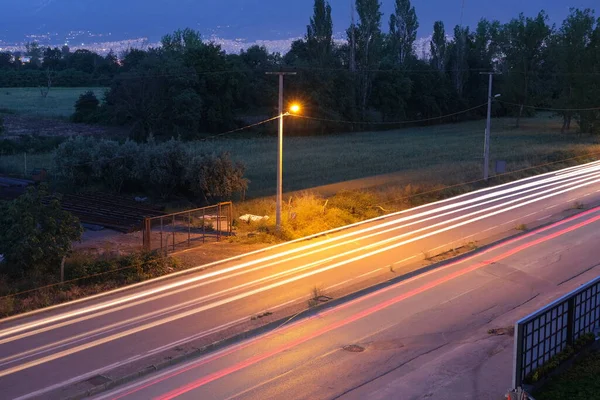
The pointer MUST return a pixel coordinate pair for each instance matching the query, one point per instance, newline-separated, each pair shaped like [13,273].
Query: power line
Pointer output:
[239,129]
[391,123]
[548,108]
[482,180]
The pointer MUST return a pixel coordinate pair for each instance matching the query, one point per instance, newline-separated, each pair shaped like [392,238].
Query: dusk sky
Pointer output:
[247,19]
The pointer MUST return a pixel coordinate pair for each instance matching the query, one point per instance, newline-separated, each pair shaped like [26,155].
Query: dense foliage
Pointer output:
[35,234]
[162,169]
[187,87]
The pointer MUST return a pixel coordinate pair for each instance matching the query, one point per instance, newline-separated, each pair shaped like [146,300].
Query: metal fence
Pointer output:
[549,330]
[179,231]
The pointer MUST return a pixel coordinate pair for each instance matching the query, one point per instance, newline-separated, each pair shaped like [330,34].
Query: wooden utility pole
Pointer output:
[280,149]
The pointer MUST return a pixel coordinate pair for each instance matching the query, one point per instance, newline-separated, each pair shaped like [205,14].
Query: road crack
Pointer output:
[390,371]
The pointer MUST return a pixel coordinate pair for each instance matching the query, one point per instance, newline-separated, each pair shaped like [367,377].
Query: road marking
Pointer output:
[492,228]
[403,261]
[369,273]
[546,217]
[339,284]
[551,207]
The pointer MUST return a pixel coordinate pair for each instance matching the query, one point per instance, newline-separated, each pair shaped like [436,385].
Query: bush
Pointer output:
[216,178]
[2,129]
[164,169]
[86,108]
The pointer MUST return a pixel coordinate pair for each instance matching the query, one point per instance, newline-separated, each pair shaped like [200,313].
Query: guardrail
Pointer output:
[546,332]
[186,229]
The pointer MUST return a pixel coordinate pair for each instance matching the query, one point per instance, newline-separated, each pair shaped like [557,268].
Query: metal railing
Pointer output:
[547,332]
[186,229]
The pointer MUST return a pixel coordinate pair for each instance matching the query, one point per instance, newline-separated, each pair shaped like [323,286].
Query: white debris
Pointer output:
[253,218]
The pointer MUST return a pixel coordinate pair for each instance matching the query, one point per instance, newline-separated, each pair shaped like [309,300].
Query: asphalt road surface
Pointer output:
[45,351]
[432,336]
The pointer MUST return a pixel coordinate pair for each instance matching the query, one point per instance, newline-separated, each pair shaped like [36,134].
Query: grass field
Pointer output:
[59,103]
[445,154]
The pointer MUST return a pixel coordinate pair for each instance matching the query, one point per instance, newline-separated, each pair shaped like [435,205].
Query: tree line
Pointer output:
[187,87]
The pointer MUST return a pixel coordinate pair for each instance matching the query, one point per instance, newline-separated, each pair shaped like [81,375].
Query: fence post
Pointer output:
[518,356]
[230,219]
[161,235]
[219,222]
[570,320]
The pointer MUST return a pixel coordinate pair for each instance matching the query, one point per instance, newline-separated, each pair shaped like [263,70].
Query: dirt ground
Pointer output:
[19,125]
[112,242]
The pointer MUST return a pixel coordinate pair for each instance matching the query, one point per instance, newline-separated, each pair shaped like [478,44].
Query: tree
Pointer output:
[457,55]
[53,59]
[319,35]
[438,46]
[86,108]
[6,60]
[570,49]
[34,51]
[35,233]
[523,45]
[368,46]
[182,40]
[66,51]
[403,30]
[216,177]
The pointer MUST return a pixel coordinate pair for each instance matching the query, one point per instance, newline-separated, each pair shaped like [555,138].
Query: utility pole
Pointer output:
[280,149]
[486,145]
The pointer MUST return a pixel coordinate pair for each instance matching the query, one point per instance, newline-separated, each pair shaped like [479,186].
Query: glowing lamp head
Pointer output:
[295,108]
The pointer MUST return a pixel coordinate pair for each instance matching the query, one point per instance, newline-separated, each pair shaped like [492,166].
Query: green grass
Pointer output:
[580,382]
[440,154]
[59,103]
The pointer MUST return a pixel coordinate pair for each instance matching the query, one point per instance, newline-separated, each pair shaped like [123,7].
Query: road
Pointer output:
[78,344]
[427,337]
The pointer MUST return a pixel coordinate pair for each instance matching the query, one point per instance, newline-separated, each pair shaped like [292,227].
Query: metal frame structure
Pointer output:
[546,332]
[187,229]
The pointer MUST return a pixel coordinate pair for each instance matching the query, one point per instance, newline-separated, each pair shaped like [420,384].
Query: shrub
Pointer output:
[86,108]
[163,169]
[216,177]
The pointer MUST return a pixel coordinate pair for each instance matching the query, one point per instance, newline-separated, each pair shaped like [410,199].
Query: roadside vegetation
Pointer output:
[579,382]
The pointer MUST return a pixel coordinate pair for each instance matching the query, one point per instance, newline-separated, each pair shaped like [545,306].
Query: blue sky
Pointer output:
[248,19]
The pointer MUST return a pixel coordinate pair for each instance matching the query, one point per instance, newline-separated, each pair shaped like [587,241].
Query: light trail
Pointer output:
[265,288]
[111,306]
[360,315]
[201,300]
